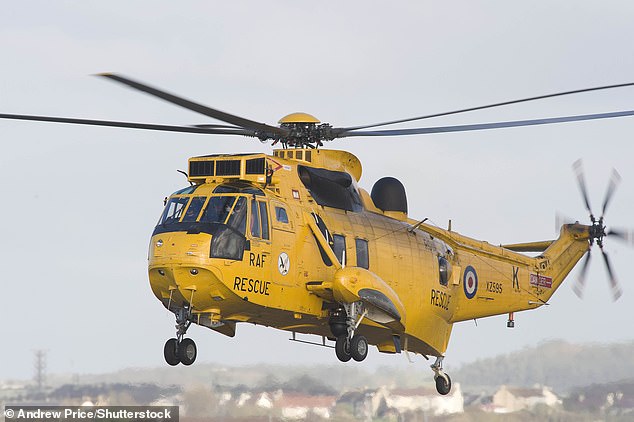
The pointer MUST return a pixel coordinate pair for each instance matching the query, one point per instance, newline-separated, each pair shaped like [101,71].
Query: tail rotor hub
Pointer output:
[597,231]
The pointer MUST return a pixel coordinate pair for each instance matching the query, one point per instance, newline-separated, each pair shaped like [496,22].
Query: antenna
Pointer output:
[39,365]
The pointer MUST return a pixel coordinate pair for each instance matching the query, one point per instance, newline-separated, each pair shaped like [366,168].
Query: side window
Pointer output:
[255,219]
[264,218]
[174,210]
[339,247]
[363,257]
[259,219]
[238,219]
[281,215]
[444,270]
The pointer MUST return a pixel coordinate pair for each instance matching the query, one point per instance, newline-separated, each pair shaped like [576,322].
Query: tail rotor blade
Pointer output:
[614,284]
[623,235]
[581,280]
[578,168]
[615,179]
[560,220]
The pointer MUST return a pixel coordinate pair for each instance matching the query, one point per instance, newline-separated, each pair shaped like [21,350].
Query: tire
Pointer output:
[187,351]
[170,351]
[342,349]
[358,348]
[443,386]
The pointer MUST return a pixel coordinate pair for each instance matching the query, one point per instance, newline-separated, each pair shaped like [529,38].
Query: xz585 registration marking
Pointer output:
[493,287]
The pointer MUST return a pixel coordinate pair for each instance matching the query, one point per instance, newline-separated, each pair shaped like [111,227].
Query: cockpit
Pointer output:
[221,213]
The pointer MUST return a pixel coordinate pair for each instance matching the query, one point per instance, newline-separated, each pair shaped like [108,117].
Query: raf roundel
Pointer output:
[470,282]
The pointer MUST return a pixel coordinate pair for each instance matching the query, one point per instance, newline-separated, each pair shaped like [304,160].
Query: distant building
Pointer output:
[426,400]
[296,406]
[368,404]
[508,399]
[363,403]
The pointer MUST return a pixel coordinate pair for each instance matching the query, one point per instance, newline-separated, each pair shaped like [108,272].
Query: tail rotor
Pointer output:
[598,232]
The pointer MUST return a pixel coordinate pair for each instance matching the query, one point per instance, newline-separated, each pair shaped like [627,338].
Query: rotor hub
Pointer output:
[597,231]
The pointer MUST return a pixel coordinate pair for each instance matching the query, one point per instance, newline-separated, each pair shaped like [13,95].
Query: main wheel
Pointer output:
[187,351]
[170,351]
[342,349]
[358,347]
[443,386]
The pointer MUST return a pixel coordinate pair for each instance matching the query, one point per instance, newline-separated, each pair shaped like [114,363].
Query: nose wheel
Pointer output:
[180,350]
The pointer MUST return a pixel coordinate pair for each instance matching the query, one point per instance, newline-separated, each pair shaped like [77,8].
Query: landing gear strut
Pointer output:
[443,382]
[181,350]
[343,323]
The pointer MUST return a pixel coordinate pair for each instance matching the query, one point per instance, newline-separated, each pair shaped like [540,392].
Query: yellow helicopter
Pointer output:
[291,241]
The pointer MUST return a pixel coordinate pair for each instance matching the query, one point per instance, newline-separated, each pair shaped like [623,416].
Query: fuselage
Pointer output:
[259,239]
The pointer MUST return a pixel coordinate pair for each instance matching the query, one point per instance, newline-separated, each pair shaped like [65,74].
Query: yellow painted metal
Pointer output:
[299,118]
[404,263]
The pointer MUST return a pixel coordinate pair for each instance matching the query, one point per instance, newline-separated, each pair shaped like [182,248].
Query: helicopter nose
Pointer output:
[179,285]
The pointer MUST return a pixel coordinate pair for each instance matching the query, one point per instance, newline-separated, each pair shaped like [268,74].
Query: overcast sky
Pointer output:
[80,203]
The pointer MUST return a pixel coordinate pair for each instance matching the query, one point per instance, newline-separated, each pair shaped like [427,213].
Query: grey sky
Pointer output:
[80,202]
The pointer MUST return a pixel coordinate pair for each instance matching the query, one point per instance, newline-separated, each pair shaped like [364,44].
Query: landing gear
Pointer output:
[170,351]
[343,322]
[355,348]
[187,351]
[358,347]
[443,382]
[342,349]
[180,350]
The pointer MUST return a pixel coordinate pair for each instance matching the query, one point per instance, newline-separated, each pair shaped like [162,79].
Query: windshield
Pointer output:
[218,209]
[195,205]
[223,209]
[222,216]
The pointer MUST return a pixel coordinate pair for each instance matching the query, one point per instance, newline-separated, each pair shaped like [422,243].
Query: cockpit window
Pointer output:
[226,189]
[264,218]
[259,220]
[239,188]
[194,208]
[186,191]
[174,210]
[218,209]
[238,219]
[255,219]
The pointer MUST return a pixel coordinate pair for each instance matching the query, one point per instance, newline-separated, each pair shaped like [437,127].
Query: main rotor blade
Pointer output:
[199,108]
[614,284]
[464,110]
[578,168]
[343,133]
[615,178]
[581,280]
[148,126]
